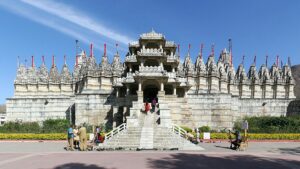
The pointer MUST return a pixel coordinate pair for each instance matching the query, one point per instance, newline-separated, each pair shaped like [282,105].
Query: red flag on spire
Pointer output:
[91,50]
[43,60]
[104,49]
[201,50]
[189,47]
[213,49]
[32,61]
[53,61]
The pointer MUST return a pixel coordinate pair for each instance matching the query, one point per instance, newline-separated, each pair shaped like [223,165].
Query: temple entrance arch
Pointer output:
[150,89]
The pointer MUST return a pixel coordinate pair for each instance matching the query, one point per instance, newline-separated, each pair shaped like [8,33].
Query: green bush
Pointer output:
[55,126]
[204,129]
[48,126]
[31,136]
[268,124]
[17,127]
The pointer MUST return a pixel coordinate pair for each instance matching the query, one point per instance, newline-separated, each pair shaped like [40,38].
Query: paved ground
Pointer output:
[45,155]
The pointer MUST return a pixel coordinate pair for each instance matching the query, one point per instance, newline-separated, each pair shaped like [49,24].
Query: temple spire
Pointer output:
[266,60]
[254,61]
[277,60]
[189,49]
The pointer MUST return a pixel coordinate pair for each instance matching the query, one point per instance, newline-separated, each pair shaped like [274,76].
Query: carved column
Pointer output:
[162,86]
[174,91]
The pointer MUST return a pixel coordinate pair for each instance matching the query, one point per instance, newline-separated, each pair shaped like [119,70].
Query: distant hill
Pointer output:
[2,108]
[296,75]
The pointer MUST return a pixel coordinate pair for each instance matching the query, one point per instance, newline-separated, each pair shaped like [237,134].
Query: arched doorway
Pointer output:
[150,90]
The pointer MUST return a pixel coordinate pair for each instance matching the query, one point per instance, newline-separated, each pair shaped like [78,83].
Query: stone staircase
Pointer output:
[147,134]
[146,141]
[180,109]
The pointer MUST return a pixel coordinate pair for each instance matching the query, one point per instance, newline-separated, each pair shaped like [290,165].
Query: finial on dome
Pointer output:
[43,60]
[117,48]
[65,60]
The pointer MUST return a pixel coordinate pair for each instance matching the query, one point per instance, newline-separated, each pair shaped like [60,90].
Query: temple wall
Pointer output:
[30,109]
[93,109]
[219,111]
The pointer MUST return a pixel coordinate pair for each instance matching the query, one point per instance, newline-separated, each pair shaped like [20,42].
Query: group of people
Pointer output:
[77,138]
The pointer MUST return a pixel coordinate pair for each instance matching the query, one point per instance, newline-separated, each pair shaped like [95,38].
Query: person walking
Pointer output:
[82,138]
[70,138]
[76,137]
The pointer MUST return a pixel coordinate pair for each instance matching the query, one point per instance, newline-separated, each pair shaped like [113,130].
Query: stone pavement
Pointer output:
[46,155]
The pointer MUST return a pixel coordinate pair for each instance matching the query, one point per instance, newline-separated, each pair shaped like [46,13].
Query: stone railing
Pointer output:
[171,74]
[115,131]
[170,44]
[130,58]
[151,52]
[154,69]
[179,131]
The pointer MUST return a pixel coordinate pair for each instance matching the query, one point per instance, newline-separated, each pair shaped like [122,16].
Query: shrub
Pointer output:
[32,136]
[17,127]
[268,124]
[55,126]
[204,129]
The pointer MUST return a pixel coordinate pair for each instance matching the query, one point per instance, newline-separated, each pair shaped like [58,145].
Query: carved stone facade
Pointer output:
[189,94]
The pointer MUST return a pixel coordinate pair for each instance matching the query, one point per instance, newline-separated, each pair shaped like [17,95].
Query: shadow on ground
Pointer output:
[292,151]
[78,166]
[199,161]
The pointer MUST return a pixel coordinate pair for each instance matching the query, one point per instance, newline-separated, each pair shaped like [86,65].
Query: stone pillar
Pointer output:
[174,91]
[140,86]
[127,90]
[117,92]
[115,114]
[162,86]
[173,69]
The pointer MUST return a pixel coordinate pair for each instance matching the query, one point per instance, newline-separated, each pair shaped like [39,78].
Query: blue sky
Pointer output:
[49,28]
